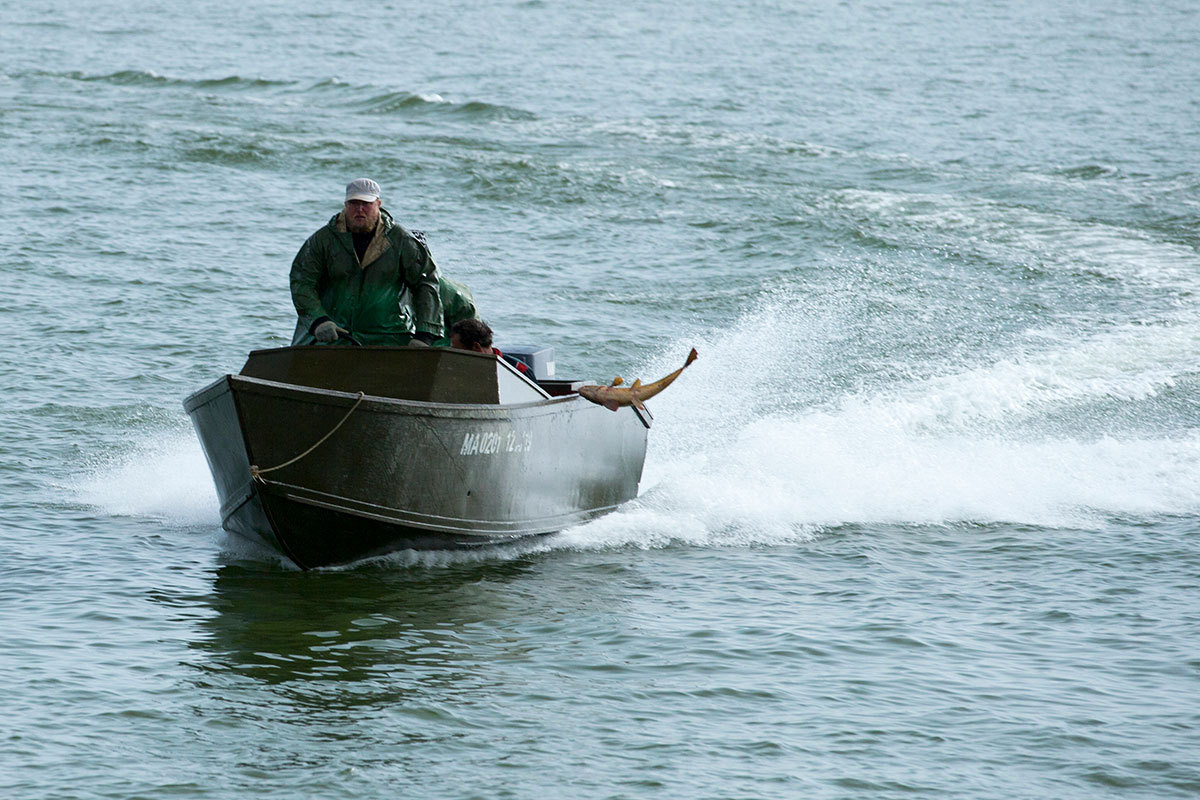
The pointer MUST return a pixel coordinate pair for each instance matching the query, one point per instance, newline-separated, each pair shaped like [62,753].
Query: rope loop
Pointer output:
[256,473]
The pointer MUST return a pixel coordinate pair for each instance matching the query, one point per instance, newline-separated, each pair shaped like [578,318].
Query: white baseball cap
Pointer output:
[362,189]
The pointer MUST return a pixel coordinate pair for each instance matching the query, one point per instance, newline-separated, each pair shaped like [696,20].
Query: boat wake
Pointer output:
[1059,432]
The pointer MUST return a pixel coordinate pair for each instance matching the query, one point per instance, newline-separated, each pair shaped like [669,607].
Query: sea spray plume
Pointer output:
[614,396]
[163,476]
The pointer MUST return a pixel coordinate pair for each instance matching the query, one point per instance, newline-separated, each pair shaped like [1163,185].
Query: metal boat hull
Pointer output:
[399,474]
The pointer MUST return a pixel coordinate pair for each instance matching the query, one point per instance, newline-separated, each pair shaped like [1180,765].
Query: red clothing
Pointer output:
[521,366]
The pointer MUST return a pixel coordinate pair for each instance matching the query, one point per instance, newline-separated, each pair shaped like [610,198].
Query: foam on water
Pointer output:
[164,476]
[1122,363]
[823,470]
[964,446]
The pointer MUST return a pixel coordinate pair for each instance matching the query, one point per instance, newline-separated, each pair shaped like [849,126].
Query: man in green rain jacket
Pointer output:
[365,276]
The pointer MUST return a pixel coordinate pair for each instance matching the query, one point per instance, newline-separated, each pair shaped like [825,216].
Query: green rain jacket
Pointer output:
[387,298]
[457,303]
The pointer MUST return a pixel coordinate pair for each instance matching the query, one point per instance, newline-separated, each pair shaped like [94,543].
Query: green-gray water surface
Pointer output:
[921,522]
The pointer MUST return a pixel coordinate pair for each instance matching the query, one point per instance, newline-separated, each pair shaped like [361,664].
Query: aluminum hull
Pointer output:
[397,473]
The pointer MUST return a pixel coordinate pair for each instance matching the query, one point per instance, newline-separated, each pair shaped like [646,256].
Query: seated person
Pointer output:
[457,300]
[474,334]
[471,334]
[457,304]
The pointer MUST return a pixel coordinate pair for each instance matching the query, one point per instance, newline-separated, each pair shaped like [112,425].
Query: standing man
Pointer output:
[365,276]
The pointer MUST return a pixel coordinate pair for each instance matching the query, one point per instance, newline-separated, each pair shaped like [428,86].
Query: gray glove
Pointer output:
[328,331]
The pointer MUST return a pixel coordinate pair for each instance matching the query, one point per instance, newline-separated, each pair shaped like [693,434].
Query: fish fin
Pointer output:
[617,381]
[692,356]
[611,405]
[636,383]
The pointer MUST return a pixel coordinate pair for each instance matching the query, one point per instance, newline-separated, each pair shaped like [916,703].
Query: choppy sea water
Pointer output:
[921,522]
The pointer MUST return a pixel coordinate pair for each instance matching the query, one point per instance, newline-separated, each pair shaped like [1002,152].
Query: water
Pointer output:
[921,521]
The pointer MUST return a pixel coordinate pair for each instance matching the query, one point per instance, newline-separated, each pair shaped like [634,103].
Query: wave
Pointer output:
[405,102]
[368,99]
[151,78]
[232,150]
[548,179]
[1088,172]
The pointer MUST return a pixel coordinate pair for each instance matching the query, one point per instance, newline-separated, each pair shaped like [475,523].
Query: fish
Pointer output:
[616,396]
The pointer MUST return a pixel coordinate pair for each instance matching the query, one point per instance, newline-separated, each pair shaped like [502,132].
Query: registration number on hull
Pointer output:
[488,442]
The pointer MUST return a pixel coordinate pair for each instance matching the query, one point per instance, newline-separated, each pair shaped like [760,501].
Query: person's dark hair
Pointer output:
[473,331]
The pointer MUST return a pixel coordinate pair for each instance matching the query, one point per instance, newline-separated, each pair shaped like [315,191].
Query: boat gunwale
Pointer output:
[205,395]
[393,405]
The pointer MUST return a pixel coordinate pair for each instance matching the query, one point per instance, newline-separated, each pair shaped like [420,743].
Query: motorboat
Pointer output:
[335,454]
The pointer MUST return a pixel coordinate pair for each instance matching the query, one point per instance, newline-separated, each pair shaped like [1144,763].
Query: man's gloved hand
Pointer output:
[423,339]
[328,331]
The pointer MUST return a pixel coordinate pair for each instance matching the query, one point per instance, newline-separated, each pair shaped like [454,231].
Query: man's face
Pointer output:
[361,215]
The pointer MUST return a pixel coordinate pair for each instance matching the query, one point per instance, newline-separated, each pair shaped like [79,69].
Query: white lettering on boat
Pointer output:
[485,443]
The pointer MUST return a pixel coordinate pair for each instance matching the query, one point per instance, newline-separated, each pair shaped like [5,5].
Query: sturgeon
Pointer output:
[615,396]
